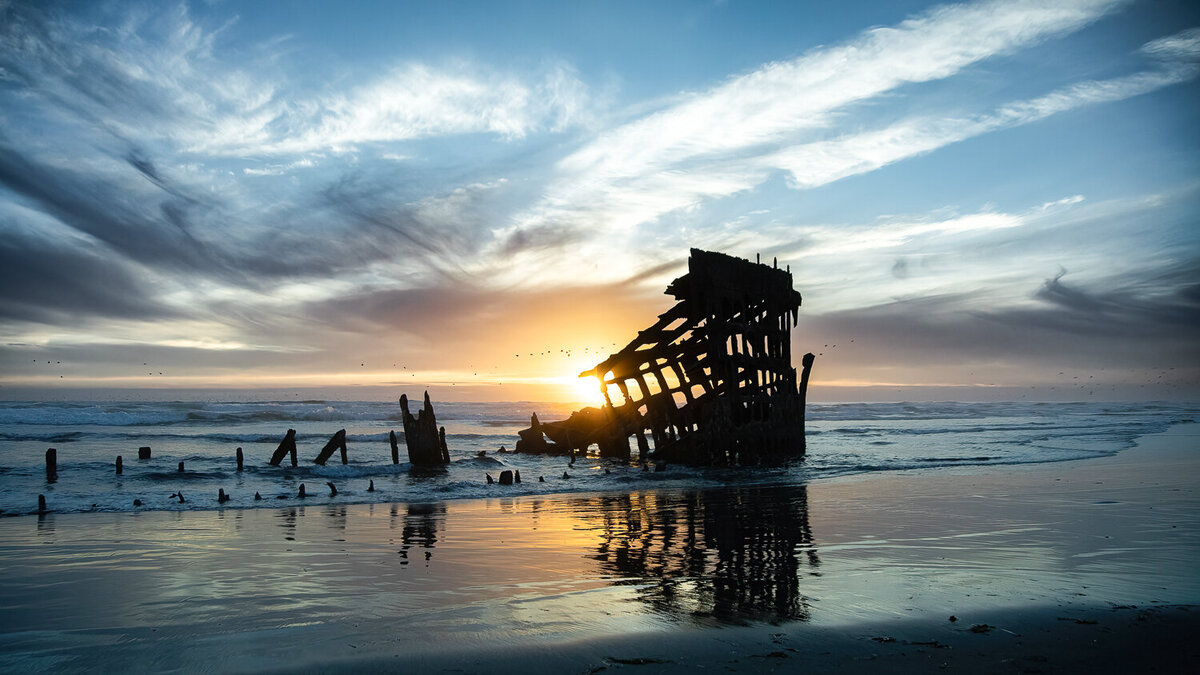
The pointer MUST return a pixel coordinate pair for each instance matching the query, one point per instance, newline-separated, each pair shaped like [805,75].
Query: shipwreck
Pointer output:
[710,383]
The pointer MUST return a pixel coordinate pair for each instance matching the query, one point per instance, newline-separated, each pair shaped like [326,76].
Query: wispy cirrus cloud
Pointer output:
[415,101]
[815,164]
[712,144]
[164,77]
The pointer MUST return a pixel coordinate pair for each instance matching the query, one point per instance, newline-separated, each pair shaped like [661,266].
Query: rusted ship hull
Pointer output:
[711,382]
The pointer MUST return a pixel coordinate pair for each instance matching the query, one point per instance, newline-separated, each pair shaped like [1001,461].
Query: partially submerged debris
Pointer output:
[337,442]
[426,442]
[287,447]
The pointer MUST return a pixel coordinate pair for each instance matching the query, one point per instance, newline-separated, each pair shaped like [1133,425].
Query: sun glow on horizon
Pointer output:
[587,390]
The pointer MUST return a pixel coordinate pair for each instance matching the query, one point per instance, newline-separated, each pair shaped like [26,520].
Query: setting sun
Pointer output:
[587,390]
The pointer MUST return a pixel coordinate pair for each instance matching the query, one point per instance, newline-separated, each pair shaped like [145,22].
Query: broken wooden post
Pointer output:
[41,503]
[506,477]
[489,478]
[286,446]
[221,496]
[395,447]
[181,467]
[517,476]
[144,452]
[807,363]
[532,440]
[371,487]
[336,442]
[120,466]
[301,494]
[332,488]
[240,459]
[51,465]
[426,443]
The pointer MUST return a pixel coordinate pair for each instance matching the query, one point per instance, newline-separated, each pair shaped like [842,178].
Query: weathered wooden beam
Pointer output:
[336,442]
[425,440]
[286,447]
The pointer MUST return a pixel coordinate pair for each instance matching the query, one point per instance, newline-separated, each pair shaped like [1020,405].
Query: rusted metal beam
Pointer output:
[711,381]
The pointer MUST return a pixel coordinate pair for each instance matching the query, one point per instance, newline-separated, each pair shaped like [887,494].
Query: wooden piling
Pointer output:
[395,447]
[221,496]
[301,494]
[336,442]
[41,503]
[371,487]
[806,363]
[332,488]
[144,452]
[51,465]
[120,465]
[240,459]
[286,446]
[426,442]
[506,477]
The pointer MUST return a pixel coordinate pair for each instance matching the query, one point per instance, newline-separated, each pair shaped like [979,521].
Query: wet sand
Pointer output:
[1055,567]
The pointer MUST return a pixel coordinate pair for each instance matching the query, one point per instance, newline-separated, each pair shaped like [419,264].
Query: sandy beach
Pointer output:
[1065,566]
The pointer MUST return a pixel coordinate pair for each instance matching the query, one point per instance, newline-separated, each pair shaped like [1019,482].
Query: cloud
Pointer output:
[168,78]
[414,101]
[56,282]
[713,144]
[1064,325]
[118,218]
[815,164]
[457,207]
[1174,304]
[279,169]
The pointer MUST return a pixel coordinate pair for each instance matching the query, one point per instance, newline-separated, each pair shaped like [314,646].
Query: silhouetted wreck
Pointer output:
[711,382]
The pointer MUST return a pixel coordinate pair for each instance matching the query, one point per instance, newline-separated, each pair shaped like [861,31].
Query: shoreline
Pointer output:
[575,580]
[89,485]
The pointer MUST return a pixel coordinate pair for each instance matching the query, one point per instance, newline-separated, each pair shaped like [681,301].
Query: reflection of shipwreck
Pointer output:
[711,381]
[727,555]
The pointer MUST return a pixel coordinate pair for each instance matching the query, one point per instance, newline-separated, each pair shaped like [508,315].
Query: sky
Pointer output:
[979,200]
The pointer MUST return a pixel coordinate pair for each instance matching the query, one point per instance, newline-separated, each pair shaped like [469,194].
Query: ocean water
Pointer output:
[843,439]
